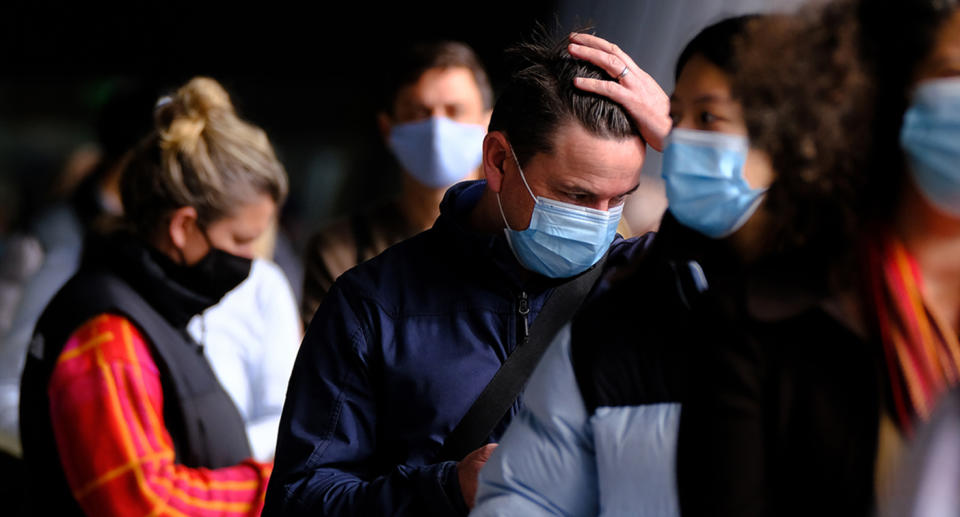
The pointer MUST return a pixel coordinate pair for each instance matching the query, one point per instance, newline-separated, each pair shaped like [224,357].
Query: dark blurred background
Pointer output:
[308,73]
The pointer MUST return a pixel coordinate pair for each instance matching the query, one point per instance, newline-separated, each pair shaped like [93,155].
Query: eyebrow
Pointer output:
[580,190]
[631,191]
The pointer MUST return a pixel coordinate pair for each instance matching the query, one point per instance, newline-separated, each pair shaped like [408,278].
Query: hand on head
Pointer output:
[634,89]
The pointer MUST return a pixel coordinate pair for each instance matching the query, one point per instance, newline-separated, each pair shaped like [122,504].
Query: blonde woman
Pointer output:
[120,412]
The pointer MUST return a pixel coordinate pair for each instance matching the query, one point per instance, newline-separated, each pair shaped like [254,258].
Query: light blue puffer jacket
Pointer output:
[559,458]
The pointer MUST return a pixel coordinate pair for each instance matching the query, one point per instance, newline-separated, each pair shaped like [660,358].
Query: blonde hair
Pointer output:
[200,155]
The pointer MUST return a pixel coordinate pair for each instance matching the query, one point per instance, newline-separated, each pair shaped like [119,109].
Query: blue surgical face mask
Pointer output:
[930,136]
[438,152]
[563,240]
[706,190]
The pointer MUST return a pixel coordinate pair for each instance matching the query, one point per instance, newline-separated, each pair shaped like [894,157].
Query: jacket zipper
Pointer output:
[523,324]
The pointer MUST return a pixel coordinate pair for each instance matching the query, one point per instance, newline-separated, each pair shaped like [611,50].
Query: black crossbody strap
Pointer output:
[497,398]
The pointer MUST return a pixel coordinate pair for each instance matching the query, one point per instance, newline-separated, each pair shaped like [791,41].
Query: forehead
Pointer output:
[253,215]
[438,86]
[701,77]
[601,165]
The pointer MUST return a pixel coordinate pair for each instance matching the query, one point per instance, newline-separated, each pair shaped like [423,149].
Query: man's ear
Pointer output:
[384,123]
[495,153]
[183,223]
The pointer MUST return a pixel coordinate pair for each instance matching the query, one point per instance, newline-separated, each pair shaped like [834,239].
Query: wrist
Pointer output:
[450,482]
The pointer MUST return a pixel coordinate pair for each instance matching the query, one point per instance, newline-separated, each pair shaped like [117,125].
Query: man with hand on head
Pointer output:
[411,369]
[433,117]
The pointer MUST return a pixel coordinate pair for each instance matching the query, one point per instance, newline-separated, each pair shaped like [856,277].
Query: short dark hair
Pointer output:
[715,43]
[412,62]
[540,96]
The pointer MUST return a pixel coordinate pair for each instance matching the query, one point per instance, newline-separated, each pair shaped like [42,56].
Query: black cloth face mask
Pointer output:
[178,291]
[215,275]
[196,287]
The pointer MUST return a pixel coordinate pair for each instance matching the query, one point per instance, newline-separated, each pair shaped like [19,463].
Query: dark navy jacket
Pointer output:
[400,348]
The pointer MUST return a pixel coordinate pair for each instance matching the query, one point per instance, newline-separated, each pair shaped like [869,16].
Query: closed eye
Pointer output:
[578,197]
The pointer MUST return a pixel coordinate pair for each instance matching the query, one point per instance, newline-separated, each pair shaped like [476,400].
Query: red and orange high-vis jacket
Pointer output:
[106,407]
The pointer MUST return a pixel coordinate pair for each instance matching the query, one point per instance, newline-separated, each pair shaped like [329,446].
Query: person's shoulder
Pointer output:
[625,250]
[416,276]
[102,340]
[413,256]
[333,246]
[629,343]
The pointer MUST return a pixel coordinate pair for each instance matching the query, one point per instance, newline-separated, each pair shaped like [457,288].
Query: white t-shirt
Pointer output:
[251,339]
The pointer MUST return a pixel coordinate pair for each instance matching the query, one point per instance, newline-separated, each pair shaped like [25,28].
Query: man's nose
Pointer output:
[603,204]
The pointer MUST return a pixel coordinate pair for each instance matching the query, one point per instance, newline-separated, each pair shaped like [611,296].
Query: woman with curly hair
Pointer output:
[772,182]
[805,411]
[121,414]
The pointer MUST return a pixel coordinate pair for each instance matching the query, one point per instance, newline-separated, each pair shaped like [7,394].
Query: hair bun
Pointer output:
[182,117]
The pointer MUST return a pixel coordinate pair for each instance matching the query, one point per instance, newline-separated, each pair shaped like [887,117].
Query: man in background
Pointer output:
[433,117]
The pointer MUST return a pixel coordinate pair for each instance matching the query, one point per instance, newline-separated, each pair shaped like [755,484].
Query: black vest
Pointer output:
[206,428]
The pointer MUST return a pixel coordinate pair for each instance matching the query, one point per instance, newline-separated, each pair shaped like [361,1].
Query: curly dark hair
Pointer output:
[807,104]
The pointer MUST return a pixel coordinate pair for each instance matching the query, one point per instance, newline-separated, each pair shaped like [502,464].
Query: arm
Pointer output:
[545,464]
[328,460]
[721,444]
[106,407]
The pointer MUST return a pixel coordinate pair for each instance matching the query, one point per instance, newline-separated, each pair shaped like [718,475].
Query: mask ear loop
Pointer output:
[525,184]
[522,177]
[503,215]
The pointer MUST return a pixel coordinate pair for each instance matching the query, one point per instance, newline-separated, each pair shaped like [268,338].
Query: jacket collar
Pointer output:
[148,271]
[481,249]
[775,288]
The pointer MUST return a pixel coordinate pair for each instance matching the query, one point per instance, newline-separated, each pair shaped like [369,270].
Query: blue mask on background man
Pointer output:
[930,136]
[438,152]
[563,239]
[706,190]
